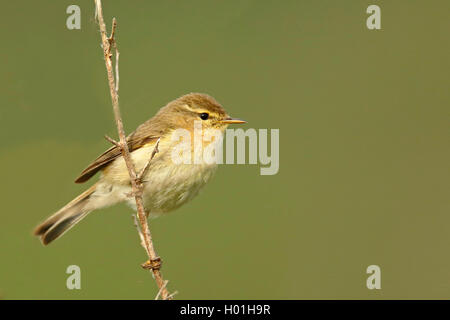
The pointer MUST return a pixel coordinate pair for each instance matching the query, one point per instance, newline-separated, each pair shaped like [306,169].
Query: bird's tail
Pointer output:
[60,222]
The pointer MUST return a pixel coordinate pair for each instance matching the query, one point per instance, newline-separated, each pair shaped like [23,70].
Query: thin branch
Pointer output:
[154,262]
[113,29]
[141,236]
[160,290]
[113,44]
[142,173]
[114,142]
[170,297]
[117,68]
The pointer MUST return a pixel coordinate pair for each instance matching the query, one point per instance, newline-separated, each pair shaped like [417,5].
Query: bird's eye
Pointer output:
[204,116]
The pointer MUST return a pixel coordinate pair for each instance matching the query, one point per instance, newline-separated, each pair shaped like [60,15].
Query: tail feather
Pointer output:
[64,219]
[61,227]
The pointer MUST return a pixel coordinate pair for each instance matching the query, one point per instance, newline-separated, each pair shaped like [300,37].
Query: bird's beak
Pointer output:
[232,121]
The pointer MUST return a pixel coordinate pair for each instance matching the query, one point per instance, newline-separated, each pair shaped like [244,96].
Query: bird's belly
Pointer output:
[167,185]
[170,186]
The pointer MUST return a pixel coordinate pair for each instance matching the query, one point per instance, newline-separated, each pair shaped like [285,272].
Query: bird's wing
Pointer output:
[143,135]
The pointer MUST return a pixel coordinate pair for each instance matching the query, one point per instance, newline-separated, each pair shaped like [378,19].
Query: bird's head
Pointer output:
[184,111]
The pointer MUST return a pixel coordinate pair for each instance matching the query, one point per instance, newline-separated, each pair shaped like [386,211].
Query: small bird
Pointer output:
[166,184]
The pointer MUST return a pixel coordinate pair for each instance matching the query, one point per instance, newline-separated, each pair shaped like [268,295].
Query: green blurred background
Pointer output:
[363,119]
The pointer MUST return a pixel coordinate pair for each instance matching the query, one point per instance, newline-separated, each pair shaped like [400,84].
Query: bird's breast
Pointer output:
[168,186]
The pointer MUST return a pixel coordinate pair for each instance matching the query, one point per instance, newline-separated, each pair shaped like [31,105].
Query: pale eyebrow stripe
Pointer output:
[196,111]
[189,108]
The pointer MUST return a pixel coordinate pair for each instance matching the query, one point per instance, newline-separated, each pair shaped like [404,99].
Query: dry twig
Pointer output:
[154,262]
[142,173]
[159,292]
